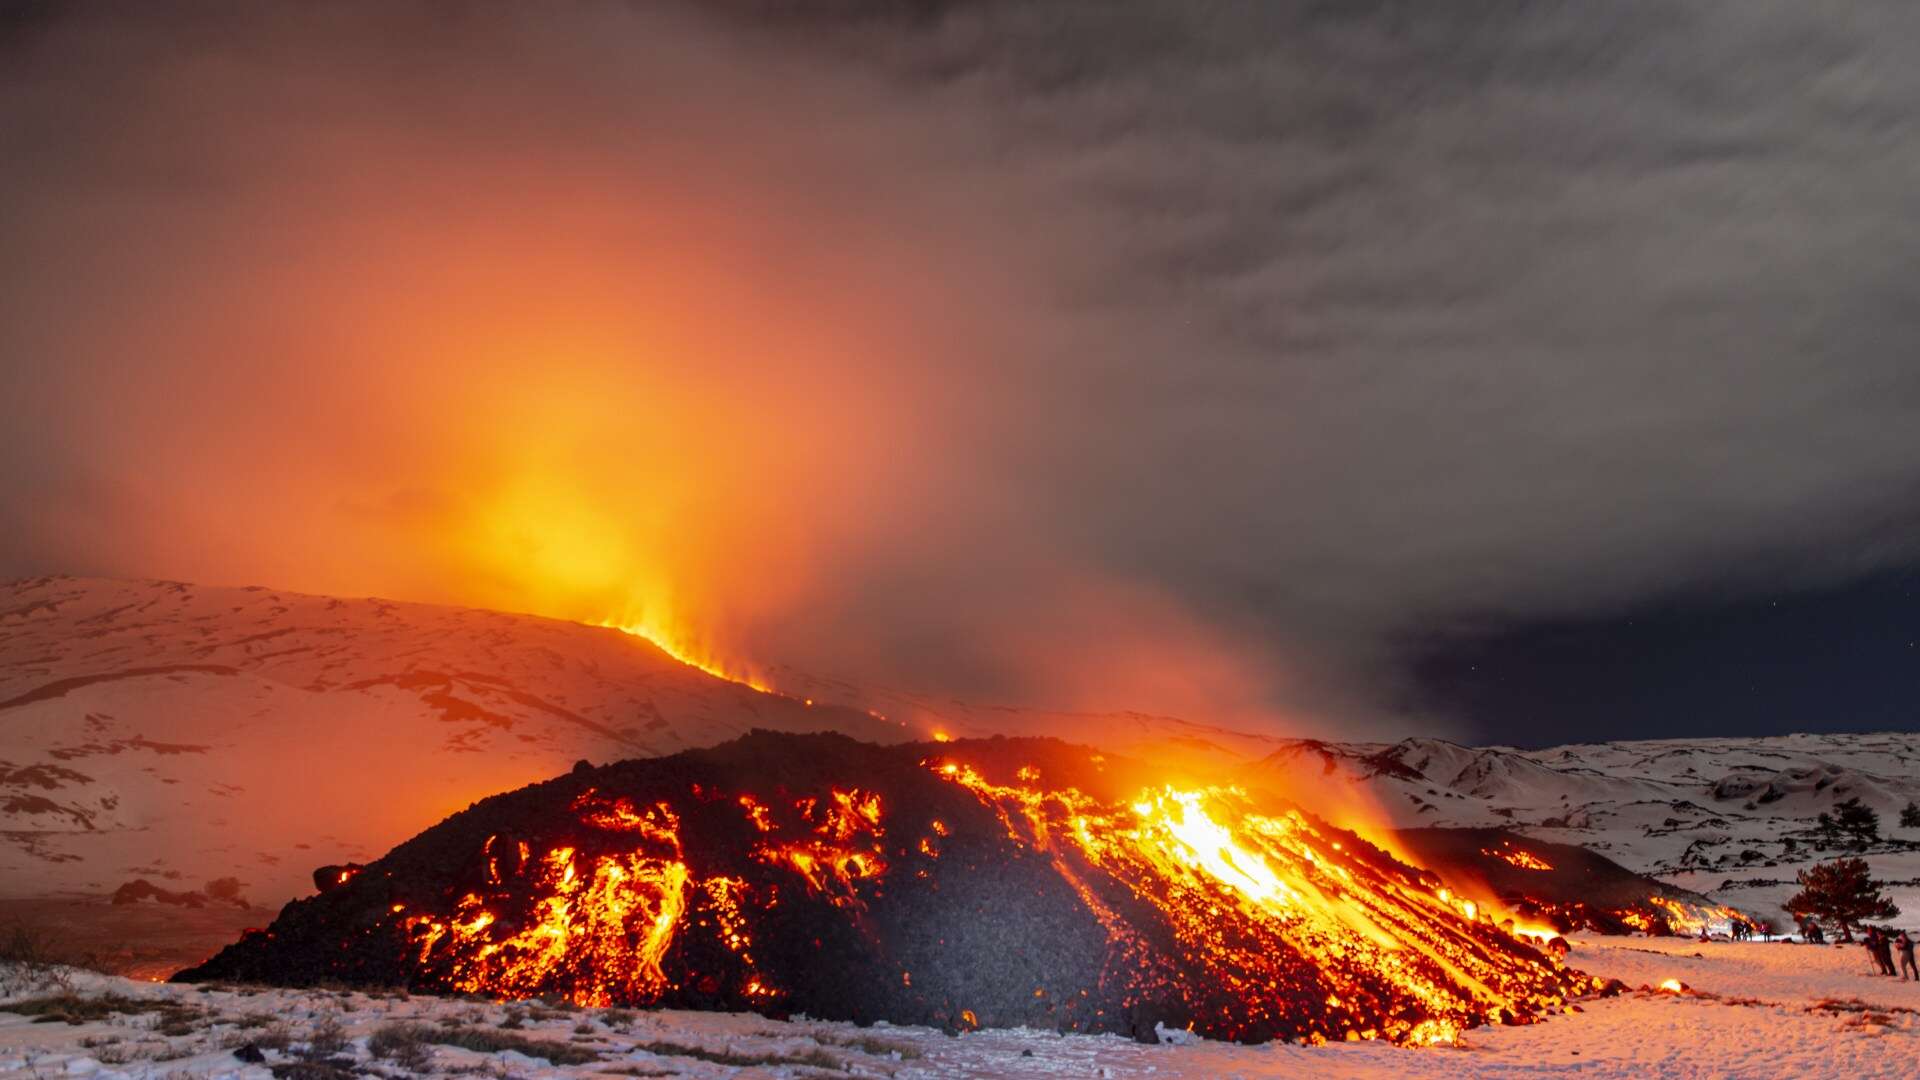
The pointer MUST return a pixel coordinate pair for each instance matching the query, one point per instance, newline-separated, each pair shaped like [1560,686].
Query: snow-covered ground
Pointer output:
[1760,1010]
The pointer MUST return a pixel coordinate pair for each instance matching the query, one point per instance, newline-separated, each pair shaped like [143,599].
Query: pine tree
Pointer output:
[1840,892]
[1854,818]
[1910,817]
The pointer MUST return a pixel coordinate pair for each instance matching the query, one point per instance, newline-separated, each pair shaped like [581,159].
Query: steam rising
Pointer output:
[1157,356]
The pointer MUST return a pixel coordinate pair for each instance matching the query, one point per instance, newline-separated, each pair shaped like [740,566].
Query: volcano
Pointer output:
[1002,882]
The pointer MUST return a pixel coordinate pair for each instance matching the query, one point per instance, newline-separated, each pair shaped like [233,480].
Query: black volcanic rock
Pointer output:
[849,881]
[1577,889]
[329,878]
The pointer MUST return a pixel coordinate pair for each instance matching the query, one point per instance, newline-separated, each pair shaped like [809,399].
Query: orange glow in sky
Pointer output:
[551,370]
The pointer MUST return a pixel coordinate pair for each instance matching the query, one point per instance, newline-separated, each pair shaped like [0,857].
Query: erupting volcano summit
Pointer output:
[976,883]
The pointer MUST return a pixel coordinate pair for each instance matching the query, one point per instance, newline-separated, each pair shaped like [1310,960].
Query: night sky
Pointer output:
[1489,370]
[1844,658]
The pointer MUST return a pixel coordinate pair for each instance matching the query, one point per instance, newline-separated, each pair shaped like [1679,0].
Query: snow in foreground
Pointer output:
[1751,1010]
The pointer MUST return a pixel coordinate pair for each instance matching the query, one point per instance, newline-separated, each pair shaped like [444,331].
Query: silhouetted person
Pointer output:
[1880,950]
[1904,943]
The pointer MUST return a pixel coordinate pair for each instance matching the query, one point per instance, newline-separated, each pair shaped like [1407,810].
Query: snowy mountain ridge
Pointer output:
[1732,818]
[185,734]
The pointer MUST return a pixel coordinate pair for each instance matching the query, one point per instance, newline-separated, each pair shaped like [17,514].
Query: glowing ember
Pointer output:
[1672,986]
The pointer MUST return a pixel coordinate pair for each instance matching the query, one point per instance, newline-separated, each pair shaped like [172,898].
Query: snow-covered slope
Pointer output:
[1733,818]
[185,734]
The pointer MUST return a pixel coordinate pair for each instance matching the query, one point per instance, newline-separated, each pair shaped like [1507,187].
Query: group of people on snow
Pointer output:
[1882,944]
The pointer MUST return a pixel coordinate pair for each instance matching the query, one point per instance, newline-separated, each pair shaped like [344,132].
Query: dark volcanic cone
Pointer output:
[1566,886]
[995,882]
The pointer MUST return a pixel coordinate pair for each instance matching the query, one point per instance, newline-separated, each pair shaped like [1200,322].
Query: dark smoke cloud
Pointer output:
[1175,356]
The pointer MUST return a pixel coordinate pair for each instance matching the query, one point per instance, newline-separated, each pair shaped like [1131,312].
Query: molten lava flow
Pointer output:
[685,646]
[601,923]
[1543,932]
[1659,916]
[1005,883]
[844,847]
[1256,900]
[1525,860]
[598,926]
[1691,920]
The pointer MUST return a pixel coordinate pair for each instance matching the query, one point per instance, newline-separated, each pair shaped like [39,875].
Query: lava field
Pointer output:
[1002,882]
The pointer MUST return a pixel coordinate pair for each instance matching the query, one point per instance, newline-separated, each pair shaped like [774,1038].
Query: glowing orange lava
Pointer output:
[1654,915]
[1692,919]
[1247,891]
[604,922]
[844,848]
[1238,915]
[601,925]
[1525,860]
[685,646]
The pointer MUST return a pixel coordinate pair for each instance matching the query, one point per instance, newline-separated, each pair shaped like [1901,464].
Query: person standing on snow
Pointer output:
[1905,944]
[1880,949]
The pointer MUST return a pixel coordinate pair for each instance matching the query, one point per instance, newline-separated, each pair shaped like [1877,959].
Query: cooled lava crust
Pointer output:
[1003,882]
[1562,885]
